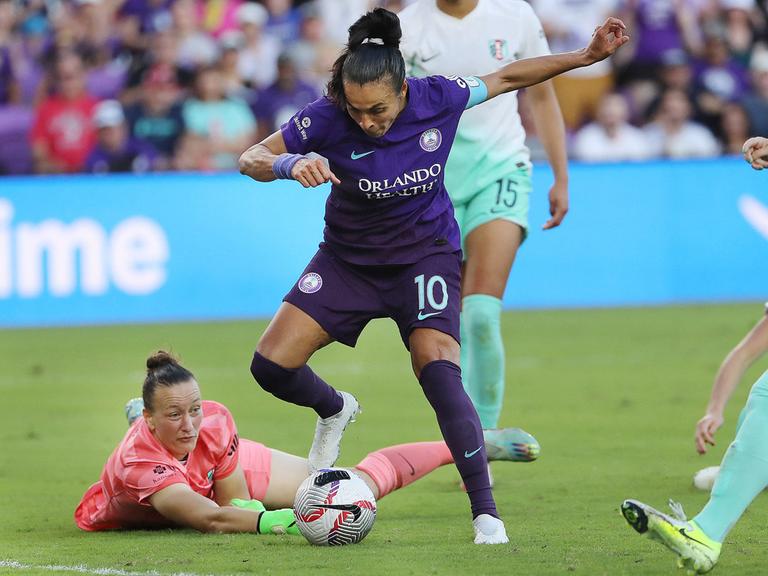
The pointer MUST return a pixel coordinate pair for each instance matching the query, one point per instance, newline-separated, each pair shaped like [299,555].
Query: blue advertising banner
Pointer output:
[84,250]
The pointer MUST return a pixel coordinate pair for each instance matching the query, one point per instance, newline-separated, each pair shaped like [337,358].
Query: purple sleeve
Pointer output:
[450,93]
[308,129]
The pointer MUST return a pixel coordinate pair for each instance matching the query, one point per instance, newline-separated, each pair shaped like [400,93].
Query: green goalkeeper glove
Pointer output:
[280,521]
[254,505]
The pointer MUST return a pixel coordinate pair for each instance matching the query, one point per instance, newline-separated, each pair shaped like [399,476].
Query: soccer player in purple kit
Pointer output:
[391,243]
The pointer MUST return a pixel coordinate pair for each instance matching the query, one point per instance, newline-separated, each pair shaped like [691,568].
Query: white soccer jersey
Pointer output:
[494,34]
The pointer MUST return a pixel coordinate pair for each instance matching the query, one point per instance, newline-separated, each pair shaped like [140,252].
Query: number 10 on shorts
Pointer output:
[427,294]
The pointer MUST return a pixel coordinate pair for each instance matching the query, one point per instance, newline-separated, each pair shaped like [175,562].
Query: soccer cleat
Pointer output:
[512,444]
[326,445]
[489,530]
[134,409]
[696,552]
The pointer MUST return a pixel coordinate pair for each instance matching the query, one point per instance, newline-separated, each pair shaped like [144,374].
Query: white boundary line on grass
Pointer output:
[82,569]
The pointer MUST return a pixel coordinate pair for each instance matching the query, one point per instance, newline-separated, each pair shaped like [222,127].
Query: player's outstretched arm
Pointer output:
[185,507]
[605,41]
[269,160]
[754,345]
[755,152]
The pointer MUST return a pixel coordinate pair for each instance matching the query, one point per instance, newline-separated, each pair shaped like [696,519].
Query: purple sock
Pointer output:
[298,386]
[460,425]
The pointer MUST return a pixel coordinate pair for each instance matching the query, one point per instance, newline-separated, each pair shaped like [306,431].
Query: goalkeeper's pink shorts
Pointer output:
[256,462]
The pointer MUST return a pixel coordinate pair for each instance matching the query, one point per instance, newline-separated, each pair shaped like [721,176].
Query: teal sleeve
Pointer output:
[478,91]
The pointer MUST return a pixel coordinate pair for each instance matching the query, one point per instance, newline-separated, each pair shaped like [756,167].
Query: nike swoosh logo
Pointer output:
[358,156]
[354,508]
[682,531]
[470,454]
[423,316]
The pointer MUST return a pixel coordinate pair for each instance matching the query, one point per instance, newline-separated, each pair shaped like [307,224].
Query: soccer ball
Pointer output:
[334,507]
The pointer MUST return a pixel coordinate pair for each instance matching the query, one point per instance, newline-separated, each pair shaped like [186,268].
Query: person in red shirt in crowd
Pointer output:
[63,134]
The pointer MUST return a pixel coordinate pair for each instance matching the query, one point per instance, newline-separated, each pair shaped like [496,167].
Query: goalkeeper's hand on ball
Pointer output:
[280,521]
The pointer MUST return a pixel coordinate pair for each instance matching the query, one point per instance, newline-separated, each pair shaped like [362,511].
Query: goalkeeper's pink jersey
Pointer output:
[140,466]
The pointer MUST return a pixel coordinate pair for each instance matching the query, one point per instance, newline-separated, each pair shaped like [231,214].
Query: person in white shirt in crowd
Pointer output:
[673,134]
[568,24]
[611,138]
[257,62]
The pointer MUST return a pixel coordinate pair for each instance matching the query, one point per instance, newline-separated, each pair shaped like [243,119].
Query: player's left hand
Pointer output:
[705,431]
[606,39]
[558,205]
[282,521]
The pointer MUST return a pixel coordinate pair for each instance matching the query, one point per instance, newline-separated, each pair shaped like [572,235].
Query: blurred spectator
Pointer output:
[150,15]
[568,24]
[315,52]
[115,150]
[718,78]
[284,20]
[672,134]
[160,61]
[675,72]
[9,89]
[657,27]
[611,138]
[734,128]
[195,48]
[217,16]
[15,153]
[339,15]
[234,85]
[227,125]
[277,103]
[739,28]
[156,118]
[756,103]
[258,56]
[63,134]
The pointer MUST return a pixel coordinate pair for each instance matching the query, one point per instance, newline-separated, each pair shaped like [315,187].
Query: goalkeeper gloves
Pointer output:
[270,521]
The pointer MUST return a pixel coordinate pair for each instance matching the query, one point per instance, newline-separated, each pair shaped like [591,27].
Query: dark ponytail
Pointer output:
[372,54]
[162,370]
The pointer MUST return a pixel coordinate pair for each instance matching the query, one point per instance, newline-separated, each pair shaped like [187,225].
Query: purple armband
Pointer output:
[283,165]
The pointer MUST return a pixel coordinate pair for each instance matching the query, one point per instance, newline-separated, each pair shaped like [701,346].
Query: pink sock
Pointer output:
[397,466]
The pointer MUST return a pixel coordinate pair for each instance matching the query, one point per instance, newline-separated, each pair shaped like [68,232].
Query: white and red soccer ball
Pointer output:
[334,507]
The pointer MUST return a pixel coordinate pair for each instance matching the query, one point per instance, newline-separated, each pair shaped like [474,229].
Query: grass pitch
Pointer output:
[612,395]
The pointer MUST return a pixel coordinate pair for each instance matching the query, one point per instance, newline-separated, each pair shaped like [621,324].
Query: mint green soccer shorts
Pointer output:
[507,198]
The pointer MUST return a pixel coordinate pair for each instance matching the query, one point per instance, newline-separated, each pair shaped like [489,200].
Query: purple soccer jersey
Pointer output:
[391,206]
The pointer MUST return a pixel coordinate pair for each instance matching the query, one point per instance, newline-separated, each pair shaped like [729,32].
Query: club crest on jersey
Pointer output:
[306,122]
[499,49]
[431,139]
[310,283]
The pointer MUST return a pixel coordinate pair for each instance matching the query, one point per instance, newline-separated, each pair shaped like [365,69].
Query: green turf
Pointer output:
[612,395]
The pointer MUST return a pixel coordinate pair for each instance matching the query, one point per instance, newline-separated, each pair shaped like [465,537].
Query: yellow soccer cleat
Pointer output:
[696,552]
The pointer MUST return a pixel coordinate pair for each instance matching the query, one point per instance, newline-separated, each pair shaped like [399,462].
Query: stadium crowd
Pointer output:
[150,85]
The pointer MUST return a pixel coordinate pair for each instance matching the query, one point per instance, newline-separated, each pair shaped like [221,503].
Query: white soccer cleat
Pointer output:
[328,432]
[489,530]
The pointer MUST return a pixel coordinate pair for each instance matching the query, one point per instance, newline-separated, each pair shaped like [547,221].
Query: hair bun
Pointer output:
[380,24]
[159,359]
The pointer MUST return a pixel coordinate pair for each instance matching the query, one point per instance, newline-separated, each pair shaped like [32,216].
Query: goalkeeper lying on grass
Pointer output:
[181,463]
